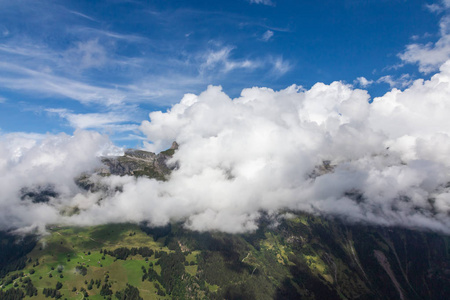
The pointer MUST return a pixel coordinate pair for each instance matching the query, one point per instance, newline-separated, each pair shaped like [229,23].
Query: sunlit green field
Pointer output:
[56,257]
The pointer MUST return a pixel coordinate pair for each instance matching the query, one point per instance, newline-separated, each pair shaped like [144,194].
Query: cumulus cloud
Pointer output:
[260,151]
[431,55]
[324,150]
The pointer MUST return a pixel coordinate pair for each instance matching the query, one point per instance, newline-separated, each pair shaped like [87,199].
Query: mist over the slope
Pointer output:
[385,162]
[39,161]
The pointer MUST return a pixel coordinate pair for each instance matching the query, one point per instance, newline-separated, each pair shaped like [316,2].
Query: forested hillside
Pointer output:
[302,257]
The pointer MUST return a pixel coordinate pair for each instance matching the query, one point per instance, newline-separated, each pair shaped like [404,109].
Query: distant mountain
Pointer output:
[291,256]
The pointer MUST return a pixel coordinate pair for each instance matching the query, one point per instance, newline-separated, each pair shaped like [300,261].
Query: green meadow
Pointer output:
[59,257]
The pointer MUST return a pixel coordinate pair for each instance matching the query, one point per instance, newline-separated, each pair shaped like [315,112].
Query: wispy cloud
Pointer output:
[434,8]
[221,59]
[212,58]
[430,56]
[264,2]
[118,125]
[426,35]
[23,79]
[105,68]
[280,66]
[403,81]
[98,63]
[91,120]
[76,58]
[88,54]
[82,15]
[363,82]
[267,35]
[4,31]
[95,32]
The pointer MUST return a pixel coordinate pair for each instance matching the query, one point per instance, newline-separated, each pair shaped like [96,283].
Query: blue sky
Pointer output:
[104,65]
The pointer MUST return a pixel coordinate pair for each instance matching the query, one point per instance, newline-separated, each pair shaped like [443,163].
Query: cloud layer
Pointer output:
[325,150]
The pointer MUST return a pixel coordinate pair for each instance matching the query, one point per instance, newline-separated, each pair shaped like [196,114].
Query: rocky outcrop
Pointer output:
[38,194]
[140,163]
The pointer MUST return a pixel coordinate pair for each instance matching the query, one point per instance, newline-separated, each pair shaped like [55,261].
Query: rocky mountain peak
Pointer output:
[140,163]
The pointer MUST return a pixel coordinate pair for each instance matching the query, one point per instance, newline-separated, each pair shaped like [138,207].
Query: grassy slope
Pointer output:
[305,256]
[68,247]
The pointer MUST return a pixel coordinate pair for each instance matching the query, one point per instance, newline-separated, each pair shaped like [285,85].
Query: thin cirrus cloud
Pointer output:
[82,15]
[96,47]
[91,120]
[95,32]
[98,65]
[24,79]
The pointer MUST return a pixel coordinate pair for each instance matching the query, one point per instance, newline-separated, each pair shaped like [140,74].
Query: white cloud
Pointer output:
[221,59]
[431,55]
[33,67]
[363,82]
[215,57]
[401,82]
[87,54]
[264,2]
[438,8]
[260,151]
[82,15]
[267,35]
[255,152]
[434,8]
[20,78]
[280,66]
[2,99]
[130,38]
[424,36]
[91,120]
[42,160]
[92,66]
